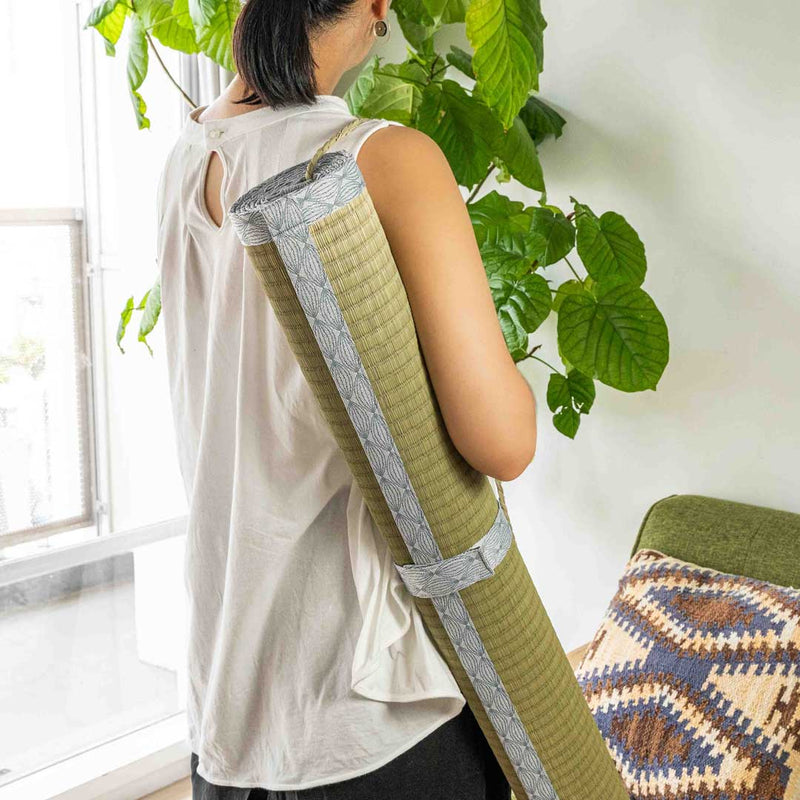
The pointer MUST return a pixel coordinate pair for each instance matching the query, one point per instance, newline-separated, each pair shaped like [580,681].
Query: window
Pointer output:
[45,467]
[92,509]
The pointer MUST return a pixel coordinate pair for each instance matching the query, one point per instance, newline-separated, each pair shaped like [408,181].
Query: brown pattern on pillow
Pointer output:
[694,680]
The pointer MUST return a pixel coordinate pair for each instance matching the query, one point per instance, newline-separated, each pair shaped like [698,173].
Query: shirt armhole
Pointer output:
[364,131]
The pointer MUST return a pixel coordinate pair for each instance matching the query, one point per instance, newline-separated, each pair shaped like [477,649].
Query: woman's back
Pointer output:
[308,662]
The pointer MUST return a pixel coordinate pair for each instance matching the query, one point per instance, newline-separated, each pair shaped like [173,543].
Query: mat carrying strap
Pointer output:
[445,575]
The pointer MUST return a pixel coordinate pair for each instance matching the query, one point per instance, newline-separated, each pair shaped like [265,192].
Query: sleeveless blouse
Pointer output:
[307,661]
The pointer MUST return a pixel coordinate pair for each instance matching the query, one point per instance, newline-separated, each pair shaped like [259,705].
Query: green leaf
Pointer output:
[108,19]
[137,53]
[494,213]
[214,37]
[462,126]
[395,92]
[506,37]
[519,154]
[451,10]
[541,120]
[139,109]
[567,421]
[417,24]
[619,337]
[522,306]
[152,308]
[568,287]
[557,233]
[558,394]
[137,69]
[582,390]
[432,12]
[169,22]
[180,8]
[569,396]
[503,232]
[203,12]
[461,60]
[124,319]
[609,247]
[359,90]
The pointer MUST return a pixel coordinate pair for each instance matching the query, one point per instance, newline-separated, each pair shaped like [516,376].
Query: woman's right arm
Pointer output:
[487,405]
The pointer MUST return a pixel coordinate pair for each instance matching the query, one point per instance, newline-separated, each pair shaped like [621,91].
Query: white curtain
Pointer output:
[201,78]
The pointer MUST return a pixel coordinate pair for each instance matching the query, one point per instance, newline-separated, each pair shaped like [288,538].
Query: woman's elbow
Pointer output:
[516,462]
[505,455]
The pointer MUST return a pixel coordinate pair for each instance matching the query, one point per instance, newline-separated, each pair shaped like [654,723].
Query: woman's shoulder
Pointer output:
[400,162]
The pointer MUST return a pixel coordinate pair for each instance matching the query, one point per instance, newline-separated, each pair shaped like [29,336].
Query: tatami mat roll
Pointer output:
[458,502]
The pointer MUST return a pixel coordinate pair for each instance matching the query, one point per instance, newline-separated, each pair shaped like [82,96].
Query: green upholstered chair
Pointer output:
[732,537]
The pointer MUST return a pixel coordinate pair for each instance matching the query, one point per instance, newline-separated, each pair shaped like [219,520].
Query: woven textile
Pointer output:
[326,266]
[694,680]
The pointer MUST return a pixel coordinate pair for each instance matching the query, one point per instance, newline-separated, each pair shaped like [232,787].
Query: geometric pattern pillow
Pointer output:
[694,680]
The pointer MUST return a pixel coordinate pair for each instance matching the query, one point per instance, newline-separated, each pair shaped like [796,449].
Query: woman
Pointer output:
[311,674]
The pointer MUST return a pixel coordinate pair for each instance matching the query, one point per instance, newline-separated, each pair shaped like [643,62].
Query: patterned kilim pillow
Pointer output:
[694,680]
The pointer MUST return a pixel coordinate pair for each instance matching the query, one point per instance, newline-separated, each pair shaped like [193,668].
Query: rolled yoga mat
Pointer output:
[315,240]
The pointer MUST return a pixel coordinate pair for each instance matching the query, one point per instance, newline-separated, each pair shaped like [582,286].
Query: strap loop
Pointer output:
[340,134]
[452,574]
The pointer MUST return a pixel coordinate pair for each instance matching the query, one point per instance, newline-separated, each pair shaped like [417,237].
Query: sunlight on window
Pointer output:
[43,451]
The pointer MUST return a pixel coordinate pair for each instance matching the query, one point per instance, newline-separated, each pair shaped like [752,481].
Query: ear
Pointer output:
[380,8]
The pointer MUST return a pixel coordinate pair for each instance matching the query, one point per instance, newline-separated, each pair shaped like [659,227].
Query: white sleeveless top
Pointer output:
[308,662]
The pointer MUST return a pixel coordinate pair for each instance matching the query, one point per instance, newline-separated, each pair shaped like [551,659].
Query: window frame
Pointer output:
[71,218]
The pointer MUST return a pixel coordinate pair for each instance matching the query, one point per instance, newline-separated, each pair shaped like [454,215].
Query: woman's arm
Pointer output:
[487,406]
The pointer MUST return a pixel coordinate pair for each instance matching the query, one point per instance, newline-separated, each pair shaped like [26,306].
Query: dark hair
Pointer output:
[272,48]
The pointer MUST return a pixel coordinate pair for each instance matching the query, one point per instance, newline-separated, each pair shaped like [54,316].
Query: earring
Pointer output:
[380,28]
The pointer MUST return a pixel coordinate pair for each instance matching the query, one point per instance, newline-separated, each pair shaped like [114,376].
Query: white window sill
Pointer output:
[125,768]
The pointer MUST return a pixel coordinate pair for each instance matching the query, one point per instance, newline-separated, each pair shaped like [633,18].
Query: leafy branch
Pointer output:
[490,121]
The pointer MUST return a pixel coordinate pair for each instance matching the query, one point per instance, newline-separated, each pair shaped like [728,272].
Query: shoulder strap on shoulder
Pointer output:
[341,133]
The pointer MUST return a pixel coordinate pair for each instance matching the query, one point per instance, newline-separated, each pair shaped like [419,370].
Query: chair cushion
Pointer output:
[694,680]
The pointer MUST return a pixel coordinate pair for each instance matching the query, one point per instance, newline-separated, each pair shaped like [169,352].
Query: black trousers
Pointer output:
[454,762]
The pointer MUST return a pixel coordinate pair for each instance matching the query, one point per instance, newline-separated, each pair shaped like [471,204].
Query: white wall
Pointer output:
[684,117]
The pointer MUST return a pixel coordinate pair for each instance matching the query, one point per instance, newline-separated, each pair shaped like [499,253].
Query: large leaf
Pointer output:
[214,38]
[462,126]
[203,11]
[169,22]
[567,288]
[359,90]
[557,234]
[108,19]
[619,337]
[522,306]
[609,247]
[541,120]
[447,11]
[518,153]
[506,37]
[137,53]
[137,68]
[394,92]
[503,232]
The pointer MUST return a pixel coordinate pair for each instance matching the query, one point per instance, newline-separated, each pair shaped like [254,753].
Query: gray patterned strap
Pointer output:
[452,574]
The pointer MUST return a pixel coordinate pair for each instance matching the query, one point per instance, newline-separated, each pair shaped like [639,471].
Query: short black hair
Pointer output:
[272,48]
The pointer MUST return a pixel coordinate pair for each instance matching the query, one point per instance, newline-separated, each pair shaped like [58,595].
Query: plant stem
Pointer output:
[558,372]
[169,74]
[573,270]
[483,180]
